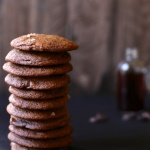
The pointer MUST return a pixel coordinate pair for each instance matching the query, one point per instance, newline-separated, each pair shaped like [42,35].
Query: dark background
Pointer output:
[102,28]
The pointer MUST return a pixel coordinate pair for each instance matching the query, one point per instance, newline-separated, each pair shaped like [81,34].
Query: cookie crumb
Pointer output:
[31,34]
[144,116]
[32,40]
[52,114]
[98,118]
[128,116]
[28,35]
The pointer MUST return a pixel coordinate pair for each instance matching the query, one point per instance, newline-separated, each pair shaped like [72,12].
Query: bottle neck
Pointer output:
[130,58]
[131,54]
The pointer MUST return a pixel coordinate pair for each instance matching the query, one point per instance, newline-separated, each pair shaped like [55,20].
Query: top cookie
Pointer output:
[43,42]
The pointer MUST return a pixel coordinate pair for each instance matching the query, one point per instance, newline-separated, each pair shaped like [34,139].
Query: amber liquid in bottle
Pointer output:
[130,91]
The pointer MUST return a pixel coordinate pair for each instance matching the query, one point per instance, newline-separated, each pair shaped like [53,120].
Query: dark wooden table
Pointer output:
[114,134]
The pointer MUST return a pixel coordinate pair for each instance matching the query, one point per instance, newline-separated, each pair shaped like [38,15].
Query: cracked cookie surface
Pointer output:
[43,42]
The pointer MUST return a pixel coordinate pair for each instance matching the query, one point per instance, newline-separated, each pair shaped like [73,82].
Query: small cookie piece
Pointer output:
[99,117]
[47,134]
[40,124]
[43,42]
[37,83]
[36,114]
[143,116]
[39,94]
[39,105]
[21,70]
[39,143]
[37,58]
[15,146]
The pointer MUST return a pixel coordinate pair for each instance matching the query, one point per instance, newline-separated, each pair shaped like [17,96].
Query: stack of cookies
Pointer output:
[38,67]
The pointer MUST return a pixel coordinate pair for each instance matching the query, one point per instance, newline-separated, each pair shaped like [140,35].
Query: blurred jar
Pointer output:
[131,89]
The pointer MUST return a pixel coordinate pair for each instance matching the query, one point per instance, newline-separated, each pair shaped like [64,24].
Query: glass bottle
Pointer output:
[131,89]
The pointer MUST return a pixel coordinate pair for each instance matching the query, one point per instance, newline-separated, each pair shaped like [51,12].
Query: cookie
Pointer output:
[40,143]
[15,146]
[39,94]
[37,58]
[39,104]
[36,114]
[21,70]
[40,124]
[37,83]
[43,42]
[48,134]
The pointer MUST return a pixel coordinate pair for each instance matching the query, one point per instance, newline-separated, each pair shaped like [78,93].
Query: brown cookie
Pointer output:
[40,124]
[39,104]
[15,146]
[37,83]
[36,114]
[39,94]
[42,42]
[40,143]
[47,134]
[37,58]
[21,70]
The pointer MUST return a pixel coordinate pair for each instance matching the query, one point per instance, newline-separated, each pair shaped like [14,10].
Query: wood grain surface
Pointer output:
[102,28]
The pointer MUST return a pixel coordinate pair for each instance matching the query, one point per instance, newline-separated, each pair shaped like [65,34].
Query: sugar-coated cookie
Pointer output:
[21,70]
[39,143]
[37,83]
[36,134]
[36,114]
[43,42]
[46,104]
[39,94]
[48,124]
[37,58]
